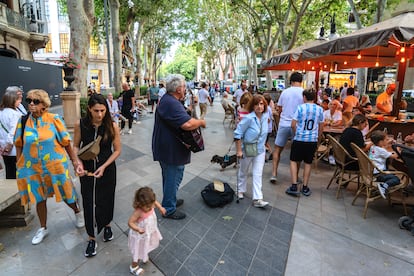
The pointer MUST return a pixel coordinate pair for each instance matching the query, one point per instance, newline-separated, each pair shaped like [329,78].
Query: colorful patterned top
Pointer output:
[42,169]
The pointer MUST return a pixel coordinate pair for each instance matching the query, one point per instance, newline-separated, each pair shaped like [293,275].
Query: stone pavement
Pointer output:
[316,235]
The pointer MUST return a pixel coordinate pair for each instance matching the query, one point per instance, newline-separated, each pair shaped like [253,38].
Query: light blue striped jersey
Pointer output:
[308,116]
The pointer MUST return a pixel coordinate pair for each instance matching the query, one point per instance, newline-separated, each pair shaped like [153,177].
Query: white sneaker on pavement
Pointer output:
[240,195]
[260,203]
[130,131]
[80,221]
[331,160]
[40,235]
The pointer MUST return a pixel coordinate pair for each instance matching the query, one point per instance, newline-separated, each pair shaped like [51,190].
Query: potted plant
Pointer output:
[68,65]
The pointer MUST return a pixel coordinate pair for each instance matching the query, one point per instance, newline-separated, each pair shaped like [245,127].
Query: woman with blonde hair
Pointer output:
[43,146]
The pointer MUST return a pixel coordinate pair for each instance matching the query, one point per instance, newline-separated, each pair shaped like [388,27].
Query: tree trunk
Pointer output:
[138,45]
[116,43]
[81,18]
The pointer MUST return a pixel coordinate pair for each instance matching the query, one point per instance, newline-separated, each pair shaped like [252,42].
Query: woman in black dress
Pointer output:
[98,175]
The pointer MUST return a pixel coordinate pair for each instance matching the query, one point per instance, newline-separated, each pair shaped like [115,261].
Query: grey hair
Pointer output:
[173,82]
[13,89]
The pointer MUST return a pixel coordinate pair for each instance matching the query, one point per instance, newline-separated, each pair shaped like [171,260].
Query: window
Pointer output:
[64,43]
[62,14]
[48,48]
[94,47]
[47,13]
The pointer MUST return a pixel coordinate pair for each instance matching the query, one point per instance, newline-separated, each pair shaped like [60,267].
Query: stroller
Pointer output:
[407,155]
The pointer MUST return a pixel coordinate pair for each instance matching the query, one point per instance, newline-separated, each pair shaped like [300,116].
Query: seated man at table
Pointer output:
[379,155]
[332,116]
[384,100]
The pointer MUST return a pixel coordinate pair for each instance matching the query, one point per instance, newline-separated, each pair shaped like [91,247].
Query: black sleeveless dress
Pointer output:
[104,196]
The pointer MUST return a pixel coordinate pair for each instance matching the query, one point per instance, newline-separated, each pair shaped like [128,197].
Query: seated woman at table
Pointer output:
[353,134]
[365,103]
[332,116]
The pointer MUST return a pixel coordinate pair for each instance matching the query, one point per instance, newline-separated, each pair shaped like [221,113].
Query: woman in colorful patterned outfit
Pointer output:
[42,160]
[98,176]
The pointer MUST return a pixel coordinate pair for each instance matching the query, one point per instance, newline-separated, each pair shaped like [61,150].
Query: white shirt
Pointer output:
[161,92]
[289,100]
[9,118]
[337,116]
[113,109]
[379,157]
[21,109]
[239,92]
[203,96]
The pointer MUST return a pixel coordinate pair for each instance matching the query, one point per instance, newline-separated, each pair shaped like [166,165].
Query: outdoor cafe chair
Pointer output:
[342,159]
[322,150]
[229,114]
[369,184]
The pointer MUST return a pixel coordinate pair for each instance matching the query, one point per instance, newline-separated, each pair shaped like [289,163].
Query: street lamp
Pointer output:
[157,52]
[333,34]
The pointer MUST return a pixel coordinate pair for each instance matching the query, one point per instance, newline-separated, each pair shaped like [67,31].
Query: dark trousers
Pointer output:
[10,164]
[128,115]
[390,179]
[103,205]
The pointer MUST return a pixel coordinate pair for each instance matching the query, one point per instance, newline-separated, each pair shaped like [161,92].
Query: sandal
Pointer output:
[136,270]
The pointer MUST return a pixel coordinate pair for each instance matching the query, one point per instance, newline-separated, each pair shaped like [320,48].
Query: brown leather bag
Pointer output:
[91,150]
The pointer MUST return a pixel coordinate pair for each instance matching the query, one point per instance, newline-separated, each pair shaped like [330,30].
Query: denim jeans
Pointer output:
[172,175]
[390,179]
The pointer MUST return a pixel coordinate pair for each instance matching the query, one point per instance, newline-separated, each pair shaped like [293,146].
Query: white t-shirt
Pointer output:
[161,92]
[9,119]
[337,116]
[239,92]
[289,100]
[203,96]
[379,157]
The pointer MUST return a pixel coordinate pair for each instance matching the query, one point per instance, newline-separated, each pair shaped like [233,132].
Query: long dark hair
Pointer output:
[107,120]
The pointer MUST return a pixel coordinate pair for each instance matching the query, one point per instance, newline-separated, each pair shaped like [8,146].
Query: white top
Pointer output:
[203,96]
[379,157]
[21,109]
[337,116]
[239,92]
[289,100]
[161,92]
[9,118]
[114,110]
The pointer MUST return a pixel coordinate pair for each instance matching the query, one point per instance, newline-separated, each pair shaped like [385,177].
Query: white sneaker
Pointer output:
[382,190]
[122,132]
[260,203]
[130,131]
[331,160]
[240,195]
[80,221]
[40,235]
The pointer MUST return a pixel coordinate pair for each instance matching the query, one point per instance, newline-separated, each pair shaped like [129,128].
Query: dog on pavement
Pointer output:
[225,162]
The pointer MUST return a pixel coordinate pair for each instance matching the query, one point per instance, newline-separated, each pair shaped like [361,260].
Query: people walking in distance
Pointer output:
[170,119]
[113,108]
[128,107]
[9,117]
[43,146]
[252,130]
[307,125]
[212,93]
[98,176]
[343,90]
[203,100]
[191,102]
[289,100]
[270,108]
[144,235]
[239,92]
[162,91]
[152,95]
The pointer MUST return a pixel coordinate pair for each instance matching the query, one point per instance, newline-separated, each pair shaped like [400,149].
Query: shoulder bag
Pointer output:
[191,139]
[250,149]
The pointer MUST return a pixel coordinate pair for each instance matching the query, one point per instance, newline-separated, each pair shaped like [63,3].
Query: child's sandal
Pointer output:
[136,270]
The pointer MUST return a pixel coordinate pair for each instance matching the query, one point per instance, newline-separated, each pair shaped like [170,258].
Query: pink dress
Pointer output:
[142,244]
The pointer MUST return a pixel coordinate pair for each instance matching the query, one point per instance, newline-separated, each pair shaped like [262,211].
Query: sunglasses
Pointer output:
[35,101]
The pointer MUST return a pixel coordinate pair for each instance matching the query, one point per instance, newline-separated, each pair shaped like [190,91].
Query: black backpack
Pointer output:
[215,198]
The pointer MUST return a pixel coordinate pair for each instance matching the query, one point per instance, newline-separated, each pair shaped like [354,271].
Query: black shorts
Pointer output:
[303,151]
[153,101]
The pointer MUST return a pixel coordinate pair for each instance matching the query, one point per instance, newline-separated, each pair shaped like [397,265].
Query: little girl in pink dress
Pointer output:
[144,235]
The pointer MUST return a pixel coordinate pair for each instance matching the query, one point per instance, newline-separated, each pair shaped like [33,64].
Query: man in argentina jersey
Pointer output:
[307,125]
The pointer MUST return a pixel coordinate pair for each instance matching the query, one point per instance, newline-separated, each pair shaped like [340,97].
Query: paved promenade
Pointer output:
[316,235]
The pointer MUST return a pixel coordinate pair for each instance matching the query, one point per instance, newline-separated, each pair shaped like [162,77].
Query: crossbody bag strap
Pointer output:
[5,129]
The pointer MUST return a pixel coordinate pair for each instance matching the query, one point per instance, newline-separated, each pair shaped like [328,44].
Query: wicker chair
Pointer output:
[368,180]
[322,150]
[342,159]
[230,115]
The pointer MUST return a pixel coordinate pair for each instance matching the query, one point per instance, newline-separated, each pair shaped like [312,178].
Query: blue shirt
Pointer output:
[165,145]
[250,130]
[308,116]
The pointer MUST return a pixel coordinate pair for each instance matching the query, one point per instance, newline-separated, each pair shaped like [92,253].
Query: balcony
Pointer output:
[14,24]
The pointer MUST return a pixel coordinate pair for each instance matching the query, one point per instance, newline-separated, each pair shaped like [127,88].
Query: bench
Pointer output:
[11,212]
